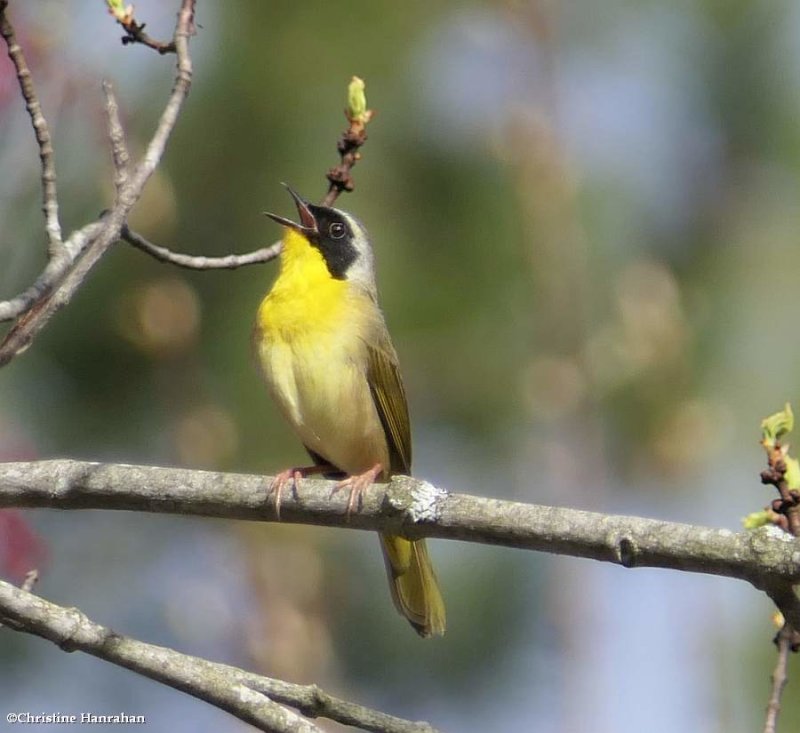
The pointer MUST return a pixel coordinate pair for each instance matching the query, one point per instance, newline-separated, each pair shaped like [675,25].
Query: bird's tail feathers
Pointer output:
[415,590]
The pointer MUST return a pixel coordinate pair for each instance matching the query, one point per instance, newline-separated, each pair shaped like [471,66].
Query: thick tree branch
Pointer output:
[768,557]
[72,630]
[250,697]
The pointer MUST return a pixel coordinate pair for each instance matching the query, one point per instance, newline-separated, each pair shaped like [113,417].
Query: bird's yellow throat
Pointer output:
[305,297]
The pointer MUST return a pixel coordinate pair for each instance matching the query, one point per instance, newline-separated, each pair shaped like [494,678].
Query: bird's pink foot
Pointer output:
[289,476]
[357,485]
[292,476]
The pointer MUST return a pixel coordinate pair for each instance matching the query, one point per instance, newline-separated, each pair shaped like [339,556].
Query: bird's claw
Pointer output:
[356,486]
[289,476]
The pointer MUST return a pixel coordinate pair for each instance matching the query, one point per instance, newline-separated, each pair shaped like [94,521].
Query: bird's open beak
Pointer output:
[307,225]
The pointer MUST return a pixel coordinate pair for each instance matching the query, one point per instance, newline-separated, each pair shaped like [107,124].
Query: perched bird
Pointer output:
[327,358]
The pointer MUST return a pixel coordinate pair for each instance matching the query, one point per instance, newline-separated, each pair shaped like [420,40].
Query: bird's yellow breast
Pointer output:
[305,300]
[310,339]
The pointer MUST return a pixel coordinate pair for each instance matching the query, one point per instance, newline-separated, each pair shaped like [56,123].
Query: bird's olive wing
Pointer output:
[389,395]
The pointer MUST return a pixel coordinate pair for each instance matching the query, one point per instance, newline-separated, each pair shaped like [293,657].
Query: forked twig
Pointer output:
[36,317]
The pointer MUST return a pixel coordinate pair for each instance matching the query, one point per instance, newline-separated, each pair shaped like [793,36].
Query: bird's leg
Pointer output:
[293,476]
[357,485]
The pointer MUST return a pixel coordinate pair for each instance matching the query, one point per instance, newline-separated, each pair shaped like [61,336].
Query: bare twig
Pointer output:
[784,643]
[183,30]
[42,132]
[766,557]
[31,578]
[250,697]
[42,286]
[53,273]
[119,146]
[339,177]
[134,32]
[315,703]
[25,329]
[785,513]
[196,262]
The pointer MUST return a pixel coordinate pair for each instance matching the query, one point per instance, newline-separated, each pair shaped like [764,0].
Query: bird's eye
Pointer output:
[336,230]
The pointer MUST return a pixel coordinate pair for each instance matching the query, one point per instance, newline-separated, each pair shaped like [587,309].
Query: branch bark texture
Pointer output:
[250,697]
[768,557]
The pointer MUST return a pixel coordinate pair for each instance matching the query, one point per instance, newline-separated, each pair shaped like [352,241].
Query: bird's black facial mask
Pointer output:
[327,230]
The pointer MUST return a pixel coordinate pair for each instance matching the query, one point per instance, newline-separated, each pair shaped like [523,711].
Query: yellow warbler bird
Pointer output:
[329,363]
